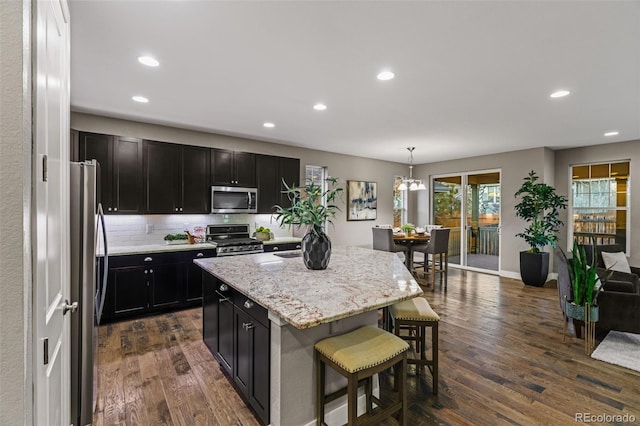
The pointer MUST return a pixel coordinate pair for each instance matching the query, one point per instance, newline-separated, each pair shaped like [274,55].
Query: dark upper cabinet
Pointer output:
[270,173]
[161,177]
[233,168]
[267,182]
[120,159]
[176,178]
[195,191]
[289,169]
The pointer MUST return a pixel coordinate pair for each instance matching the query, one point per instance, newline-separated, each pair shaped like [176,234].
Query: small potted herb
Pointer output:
[176,238]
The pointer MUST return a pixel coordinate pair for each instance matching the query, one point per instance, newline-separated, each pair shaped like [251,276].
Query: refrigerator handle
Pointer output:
[105,272]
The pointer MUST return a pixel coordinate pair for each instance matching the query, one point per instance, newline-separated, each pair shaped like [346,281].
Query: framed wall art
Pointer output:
[362,200]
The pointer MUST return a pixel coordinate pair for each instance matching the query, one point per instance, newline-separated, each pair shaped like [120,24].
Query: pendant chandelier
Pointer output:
[411,184]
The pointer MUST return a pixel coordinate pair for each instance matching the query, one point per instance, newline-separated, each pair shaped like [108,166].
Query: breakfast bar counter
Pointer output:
[305,306]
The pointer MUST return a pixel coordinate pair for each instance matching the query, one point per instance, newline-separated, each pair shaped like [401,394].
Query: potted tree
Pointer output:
[540,206]
[307,209]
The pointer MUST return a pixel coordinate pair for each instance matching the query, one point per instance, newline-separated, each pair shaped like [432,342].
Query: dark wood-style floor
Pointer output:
[502,361]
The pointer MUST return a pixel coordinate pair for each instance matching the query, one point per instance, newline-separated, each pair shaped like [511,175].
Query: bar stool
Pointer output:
[415,315]
[437,247]
[358,355]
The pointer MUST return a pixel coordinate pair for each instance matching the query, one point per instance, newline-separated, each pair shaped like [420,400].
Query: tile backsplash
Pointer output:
[131,230]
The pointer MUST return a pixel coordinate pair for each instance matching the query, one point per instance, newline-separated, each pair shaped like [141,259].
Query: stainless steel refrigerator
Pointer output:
[89,265]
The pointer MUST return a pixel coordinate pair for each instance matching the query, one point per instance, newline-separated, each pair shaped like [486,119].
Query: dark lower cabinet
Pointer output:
[193,277]
[167,287]
[236,331]
[143,284]
[127,291]
[225,332]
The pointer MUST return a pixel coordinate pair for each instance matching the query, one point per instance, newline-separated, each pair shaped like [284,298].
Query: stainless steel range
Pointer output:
[231,240]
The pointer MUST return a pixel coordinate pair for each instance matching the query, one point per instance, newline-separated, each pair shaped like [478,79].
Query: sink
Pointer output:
[289,254]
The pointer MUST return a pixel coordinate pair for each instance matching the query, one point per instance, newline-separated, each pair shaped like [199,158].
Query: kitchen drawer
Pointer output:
[144,259]
[256,311]
[282,247]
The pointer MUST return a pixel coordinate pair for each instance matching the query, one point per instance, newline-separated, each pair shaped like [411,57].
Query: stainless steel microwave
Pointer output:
[233,199]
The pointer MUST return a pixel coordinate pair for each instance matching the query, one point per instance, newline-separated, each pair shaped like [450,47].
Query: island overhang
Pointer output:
[357,280]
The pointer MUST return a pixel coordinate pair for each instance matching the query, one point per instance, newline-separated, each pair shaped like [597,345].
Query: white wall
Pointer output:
[342,166]
[514,167]
[605,153]
[15,283]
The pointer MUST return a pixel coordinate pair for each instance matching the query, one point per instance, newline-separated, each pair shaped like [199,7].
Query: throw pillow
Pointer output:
[616,261]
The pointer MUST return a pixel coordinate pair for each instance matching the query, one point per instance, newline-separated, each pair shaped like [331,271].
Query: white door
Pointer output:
[51,208]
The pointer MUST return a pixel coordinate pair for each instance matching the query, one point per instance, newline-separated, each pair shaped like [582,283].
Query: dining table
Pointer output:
[410,241]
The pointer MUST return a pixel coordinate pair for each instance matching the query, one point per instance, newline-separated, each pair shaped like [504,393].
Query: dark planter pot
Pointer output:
[316,250]
[534,268]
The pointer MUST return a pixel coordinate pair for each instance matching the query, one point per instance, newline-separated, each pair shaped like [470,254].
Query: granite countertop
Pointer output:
[156,248]
[159,248]
[357,280]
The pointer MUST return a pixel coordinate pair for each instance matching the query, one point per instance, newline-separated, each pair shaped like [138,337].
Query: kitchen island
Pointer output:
[302,307]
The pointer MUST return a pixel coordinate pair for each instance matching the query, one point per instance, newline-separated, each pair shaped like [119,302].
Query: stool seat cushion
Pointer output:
[362,348]
[416,309]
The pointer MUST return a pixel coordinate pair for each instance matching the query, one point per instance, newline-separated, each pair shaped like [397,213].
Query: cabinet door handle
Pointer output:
[180,208]
[298,246]
[247,325]
[115,209]
[223,287]
[275,248]
[199,255]
[151,271]
[176,209]
[109,209]
[146,272]
[148,259]
[248,304]
[225,299]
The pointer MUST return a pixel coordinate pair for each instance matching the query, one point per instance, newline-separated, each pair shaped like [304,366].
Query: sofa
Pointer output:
[619,301]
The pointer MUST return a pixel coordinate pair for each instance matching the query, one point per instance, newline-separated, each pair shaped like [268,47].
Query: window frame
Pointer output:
[571,209]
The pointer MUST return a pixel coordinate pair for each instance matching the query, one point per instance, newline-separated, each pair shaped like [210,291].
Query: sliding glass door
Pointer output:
[474,240]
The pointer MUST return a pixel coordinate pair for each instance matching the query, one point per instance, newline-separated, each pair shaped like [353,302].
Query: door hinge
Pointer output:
[44,168]
[46,350]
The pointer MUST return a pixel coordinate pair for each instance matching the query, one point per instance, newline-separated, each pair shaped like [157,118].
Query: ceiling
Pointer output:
[472,78]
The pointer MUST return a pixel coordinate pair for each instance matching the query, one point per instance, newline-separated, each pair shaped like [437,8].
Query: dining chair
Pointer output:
[383,240]
[438,248]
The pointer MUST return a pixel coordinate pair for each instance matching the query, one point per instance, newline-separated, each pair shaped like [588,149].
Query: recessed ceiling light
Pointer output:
[140,99]
[560,94]
[319,107]
[386,75]
[612,133]
[148,61]
[269,125]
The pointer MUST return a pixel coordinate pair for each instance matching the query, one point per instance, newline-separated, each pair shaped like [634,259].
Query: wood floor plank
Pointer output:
[502,361]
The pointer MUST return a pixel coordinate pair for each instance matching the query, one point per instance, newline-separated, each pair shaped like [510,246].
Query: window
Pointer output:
[600,203]
[399,203]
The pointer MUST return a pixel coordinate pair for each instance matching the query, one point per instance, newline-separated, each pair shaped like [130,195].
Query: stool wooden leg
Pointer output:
[320,370]
[352,399]
[402,394]
[368,392]
[446,268]
[434,355]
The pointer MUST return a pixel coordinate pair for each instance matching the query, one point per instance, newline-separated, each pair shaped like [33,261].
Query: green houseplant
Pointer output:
[407,228]
[307,210]
[540,207]
[581,304]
